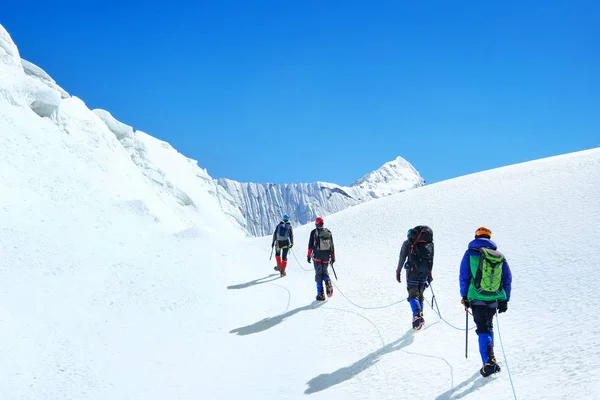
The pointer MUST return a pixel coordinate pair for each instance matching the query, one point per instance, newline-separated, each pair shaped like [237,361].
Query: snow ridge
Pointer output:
[262,205]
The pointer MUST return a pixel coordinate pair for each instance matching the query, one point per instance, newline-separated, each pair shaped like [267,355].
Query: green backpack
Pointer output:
[486,272]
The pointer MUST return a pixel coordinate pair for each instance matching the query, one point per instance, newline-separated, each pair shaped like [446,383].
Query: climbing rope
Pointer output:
[505,360]
[438,313]
[431,304]
[361,316]
[359,306]
[342,293]
[443,319]
[299,263]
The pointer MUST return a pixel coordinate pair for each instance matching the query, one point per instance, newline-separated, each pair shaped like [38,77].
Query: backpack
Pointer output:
[420,257]
[283,231]
[488,277]
[323,241]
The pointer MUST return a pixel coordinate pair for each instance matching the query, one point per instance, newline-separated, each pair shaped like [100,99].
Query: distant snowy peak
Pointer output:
[263,204]
[392,177]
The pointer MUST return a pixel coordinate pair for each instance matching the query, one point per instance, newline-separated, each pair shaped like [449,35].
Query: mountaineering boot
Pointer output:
[489,368]
[329,288]
[320,297]
[418,321]
[276,268]
[282,273]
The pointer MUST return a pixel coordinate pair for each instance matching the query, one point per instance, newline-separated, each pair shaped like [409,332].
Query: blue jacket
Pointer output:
[465,269]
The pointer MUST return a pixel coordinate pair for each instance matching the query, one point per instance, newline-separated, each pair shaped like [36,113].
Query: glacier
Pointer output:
[122,276]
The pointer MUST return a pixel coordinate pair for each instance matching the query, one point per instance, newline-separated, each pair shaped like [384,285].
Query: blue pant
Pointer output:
[321,274]
[415,297]
[483,315]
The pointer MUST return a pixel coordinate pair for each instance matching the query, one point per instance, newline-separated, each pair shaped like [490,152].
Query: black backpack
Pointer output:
[420,258]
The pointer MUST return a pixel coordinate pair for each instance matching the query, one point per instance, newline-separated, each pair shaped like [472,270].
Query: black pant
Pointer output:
[281,248]
[416,291]
[483,316]
[321,272]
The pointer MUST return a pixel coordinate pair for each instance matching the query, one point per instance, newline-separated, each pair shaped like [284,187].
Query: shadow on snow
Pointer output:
[456,393]
[254,282]
[325,381]
[268,323]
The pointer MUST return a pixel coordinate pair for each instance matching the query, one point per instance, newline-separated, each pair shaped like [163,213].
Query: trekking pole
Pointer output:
[466,332]
[271,253]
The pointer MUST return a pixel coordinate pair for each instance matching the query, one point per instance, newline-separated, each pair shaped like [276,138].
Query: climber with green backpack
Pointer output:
[485,285]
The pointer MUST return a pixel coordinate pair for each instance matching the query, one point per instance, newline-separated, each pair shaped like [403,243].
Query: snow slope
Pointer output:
[543,215]
[262,205]
[114,285]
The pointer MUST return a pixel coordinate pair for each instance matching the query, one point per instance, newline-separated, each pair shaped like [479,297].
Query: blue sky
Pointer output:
[284,91]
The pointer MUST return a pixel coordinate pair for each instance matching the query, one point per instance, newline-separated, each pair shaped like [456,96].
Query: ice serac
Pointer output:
[175,174]
[36,72]
[263,204]
[24,84]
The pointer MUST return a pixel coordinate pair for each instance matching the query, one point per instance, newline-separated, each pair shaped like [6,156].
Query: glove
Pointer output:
[308,259]
[272,244]
[502,306]
[429,279]
[399,275]
[332,261]
[465,302]
[291,245]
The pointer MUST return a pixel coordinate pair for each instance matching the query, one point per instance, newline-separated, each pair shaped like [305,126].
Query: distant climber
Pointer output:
[283,240]
[322,251]
[416,256]
[485,285]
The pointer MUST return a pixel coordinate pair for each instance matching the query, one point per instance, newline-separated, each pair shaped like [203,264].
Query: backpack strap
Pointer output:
[412,246]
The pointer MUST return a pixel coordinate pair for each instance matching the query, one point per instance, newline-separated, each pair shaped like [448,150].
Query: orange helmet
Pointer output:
[482,231]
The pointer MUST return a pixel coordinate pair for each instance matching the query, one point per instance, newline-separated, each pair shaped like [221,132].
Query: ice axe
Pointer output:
[334,274]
